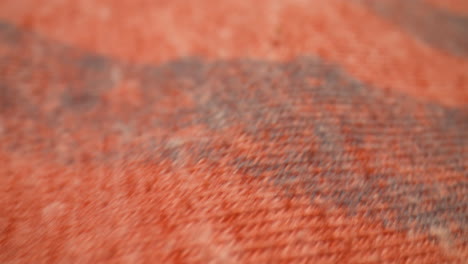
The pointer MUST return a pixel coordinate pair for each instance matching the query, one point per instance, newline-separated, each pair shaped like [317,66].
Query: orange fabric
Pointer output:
[233,131]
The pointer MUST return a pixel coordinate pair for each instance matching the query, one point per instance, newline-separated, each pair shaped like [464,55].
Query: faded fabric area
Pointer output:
[233,131]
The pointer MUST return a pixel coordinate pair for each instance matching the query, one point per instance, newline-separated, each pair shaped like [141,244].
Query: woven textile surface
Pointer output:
[227,131]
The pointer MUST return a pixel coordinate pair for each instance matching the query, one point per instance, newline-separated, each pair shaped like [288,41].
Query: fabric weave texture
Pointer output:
[273,131]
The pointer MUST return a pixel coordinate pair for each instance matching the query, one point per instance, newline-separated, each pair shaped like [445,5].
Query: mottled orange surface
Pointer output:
[150,31]
[456,6]
[233,131]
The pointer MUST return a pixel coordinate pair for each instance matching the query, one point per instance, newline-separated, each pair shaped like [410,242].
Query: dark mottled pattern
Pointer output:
[439,28]
[308,124]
